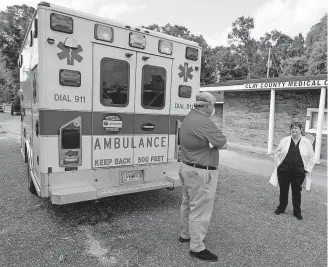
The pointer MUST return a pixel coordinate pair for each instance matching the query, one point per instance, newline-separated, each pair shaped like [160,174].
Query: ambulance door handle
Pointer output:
[128,55]
[145,58]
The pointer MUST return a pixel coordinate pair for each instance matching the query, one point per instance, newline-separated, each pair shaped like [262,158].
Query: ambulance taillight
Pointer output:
[70,144]
[177,152]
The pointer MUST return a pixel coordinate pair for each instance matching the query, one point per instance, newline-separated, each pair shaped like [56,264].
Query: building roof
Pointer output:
[279,83]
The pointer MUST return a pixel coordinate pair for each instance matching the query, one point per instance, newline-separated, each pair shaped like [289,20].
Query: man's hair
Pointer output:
[296,123]
[204,99]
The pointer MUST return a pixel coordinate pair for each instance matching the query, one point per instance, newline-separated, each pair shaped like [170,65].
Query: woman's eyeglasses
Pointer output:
[295,127]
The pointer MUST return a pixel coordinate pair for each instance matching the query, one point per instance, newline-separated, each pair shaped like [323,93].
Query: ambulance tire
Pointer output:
[30,183]
[26,159]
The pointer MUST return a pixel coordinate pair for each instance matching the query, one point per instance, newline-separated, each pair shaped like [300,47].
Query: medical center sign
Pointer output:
[291,84]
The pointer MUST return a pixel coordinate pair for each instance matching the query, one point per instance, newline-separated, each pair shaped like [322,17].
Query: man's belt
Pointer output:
[209,168]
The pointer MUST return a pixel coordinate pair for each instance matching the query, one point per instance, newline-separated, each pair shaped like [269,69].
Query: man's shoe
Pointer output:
[183,240]
[278,211]
[204,255]
[298,216]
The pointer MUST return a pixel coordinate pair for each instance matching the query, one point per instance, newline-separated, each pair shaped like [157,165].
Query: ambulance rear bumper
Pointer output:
[72,195]
[86,193]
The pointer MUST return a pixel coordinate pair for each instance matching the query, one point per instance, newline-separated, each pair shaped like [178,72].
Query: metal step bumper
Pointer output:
[134,188]
[72,195]
[86,193]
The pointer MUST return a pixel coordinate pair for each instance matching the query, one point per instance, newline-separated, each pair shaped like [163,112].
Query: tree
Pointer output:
[283,48]
[6,80]
[14,23]
[316,48]
[294,66]
[244,45]
[209,71]
[297,47]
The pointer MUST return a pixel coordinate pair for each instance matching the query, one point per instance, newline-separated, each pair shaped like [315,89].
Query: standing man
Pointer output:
[200,141]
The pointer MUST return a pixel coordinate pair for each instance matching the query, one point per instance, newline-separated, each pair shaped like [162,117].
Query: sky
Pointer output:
[210,18]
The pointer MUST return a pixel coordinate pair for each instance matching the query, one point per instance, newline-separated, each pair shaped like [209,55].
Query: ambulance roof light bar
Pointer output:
[44,4]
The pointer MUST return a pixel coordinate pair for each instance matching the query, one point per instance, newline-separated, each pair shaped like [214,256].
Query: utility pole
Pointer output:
[272,110]
[268,65]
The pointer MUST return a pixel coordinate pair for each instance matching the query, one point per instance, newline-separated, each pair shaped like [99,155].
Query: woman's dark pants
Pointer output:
[286,179]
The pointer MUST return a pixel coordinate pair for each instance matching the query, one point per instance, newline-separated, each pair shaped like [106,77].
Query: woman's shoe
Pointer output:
[298,216]
[278,211]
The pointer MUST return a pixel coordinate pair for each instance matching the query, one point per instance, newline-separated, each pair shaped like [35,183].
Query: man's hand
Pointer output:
[225,146]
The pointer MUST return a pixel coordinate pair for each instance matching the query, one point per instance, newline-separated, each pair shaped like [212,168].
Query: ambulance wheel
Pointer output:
[30,183]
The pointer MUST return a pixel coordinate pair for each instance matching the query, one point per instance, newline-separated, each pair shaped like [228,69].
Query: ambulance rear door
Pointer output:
[113,106]
[152,107]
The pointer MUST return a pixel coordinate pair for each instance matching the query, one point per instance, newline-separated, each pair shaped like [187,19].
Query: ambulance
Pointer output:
[101,105]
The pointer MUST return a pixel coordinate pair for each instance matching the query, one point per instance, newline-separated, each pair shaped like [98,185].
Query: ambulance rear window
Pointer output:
[153,87]
[114,84]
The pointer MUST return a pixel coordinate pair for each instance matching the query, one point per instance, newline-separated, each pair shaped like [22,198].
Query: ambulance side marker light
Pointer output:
[31,38]
[35,28]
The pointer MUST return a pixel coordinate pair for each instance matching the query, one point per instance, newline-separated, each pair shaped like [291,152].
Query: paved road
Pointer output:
[142,229]
[263,165]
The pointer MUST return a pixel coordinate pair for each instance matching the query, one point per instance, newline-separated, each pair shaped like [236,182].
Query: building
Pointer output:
[258,112]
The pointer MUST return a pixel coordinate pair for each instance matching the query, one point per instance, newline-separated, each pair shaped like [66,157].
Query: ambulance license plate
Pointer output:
[132,176]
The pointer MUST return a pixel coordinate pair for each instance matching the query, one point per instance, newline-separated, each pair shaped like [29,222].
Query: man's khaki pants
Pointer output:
[199,188]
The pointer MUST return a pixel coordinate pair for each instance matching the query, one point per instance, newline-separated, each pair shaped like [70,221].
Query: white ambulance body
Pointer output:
[101,104]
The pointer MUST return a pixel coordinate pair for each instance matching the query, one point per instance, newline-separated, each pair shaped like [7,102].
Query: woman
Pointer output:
[294,161]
